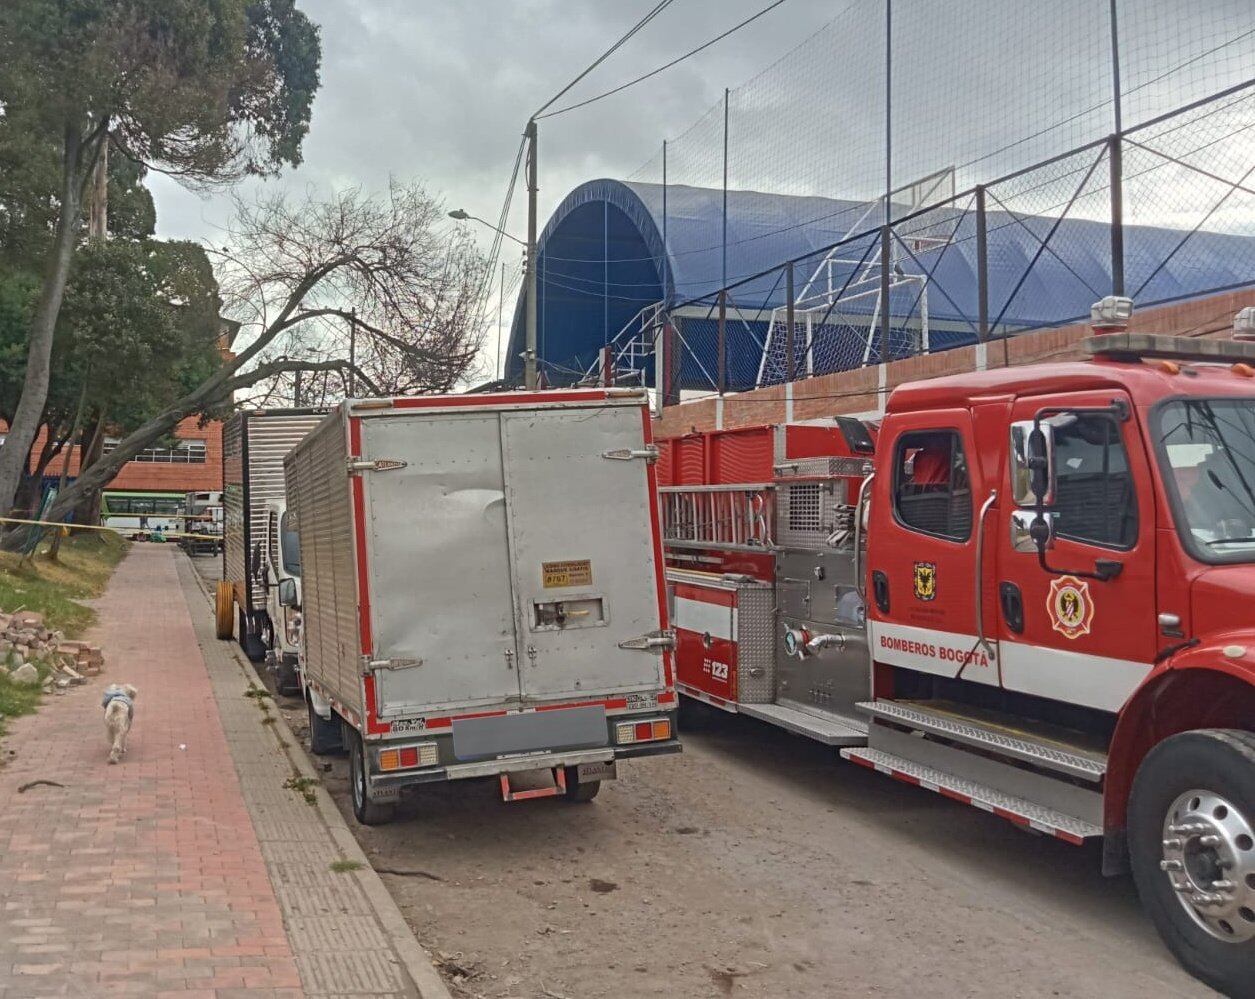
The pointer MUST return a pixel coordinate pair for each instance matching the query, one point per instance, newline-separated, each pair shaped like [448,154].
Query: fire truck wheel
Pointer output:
[224,604]
[367,812]
[324,733]
[1192,849]
[577,790]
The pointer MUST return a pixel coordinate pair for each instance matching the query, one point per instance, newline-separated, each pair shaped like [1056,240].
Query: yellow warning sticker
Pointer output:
[571,573]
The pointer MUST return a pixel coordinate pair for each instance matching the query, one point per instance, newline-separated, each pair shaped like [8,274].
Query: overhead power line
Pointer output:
[657,9]
[654,72]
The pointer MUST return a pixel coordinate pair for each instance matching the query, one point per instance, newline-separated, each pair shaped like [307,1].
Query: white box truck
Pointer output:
[482,591]
[254,444]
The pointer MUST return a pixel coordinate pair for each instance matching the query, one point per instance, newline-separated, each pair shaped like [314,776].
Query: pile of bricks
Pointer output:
[26,645]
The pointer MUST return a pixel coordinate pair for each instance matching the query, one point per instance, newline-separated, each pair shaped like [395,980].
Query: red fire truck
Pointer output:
[1058,569]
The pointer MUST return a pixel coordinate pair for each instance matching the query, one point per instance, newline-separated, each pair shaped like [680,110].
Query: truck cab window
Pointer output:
[1095,502]
[291,545]
[931,490]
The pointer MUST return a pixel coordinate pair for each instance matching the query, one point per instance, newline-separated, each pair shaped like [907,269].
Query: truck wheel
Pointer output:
[324,733]
[250,643]
[224,604]
[1192,848]
[367,812]
[580,791]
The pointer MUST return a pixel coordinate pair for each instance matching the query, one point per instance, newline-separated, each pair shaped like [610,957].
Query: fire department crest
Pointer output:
[1071,610]
[925,580]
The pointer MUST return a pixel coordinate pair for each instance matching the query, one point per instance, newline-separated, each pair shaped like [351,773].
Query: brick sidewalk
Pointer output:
[144,878]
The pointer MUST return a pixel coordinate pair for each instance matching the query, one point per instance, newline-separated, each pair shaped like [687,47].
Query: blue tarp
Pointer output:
[601,260]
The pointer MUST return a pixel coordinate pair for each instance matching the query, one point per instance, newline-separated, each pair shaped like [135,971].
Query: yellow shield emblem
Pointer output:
[925,580]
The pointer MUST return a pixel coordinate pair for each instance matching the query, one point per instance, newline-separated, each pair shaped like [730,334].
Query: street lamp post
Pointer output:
[529,351]
[529,280]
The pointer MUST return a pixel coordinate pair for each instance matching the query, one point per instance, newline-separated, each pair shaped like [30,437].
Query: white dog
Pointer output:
[119,705]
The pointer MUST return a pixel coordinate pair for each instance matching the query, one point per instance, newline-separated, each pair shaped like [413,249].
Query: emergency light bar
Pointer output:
[1140,346]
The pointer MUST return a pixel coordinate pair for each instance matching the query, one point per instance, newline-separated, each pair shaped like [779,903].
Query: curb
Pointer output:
[413,956]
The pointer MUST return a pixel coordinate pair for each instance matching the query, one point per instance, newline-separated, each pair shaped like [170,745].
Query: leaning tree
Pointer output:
[302,275]
[206,90]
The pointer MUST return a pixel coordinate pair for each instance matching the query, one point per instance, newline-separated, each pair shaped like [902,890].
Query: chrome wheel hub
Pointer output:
[1209,859]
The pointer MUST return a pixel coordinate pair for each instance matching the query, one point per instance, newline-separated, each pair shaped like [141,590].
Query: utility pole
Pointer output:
[352,351]
[496,370]
[529,351]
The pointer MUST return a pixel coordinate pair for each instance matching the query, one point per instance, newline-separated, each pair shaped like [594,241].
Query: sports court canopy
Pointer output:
[602,260]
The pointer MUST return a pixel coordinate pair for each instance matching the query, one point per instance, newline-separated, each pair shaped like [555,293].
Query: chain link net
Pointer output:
[948,173]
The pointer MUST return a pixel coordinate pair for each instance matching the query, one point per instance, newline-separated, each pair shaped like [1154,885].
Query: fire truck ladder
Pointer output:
[733,517]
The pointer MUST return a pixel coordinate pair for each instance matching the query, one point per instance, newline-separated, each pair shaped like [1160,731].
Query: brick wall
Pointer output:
[865,389]
[159,476]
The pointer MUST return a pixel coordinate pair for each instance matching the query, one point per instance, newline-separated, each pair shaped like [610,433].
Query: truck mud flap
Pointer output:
[530,731]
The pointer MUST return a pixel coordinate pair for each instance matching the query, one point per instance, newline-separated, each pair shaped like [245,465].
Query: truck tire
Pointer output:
[580,791]
[1191,828]
[250,643]
[224,604]
[367,812]
[325,734]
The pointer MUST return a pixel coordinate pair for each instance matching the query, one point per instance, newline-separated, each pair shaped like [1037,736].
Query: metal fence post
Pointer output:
[789,371]
[1115,156]
[886,232]
[723,342]
[982,263]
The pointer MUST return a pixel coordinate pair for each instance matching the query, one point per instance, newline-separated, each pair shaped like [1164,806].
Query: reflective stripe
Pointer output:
[702,618]
[1059,674]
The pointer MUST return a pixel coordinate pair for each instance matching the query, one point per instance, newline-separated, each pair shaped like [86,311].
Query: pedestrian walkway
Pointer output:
[189,869]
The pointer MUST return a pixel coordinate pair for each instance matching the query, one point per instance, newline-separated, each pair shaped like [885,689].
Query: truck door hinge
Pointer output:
[654,641]
[370,665]
[649,453]
[378,465]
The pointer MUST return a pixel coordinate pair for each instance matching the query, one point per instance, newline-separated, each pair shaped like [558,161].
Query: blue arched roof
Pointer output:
[601,259]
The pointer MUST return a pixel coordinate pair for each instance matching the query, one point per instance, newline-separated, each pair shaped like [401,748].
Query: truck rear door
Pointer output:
[441,608]
[582,545]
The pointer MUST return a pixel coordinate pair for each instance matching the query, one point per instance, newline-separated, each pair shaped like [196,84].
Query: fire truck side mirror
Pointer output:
[1027,526]
[1032,463]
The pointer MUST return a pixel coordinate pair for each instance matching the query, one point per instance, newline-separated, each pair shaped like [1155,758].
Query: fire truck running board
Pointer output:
[1047,755]
[831,730]
[1023,813]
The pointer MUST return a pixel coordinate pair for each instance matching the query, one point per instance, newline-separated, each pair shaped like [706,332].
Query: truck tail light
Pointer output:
[650,730]
[423,754]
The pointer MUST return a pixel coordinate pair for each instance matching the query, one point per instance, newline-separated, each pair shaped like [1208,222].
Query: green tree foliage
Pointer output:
[206,90]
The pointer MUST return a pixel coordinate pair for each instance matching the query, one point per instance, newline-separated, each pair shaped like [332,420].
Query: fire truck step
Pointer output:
[1046,754]
[1006,806]
[830,729]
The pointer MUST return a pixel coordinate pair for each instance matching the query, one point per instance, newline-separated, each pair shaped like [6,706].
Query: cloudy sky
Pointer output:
[439,90]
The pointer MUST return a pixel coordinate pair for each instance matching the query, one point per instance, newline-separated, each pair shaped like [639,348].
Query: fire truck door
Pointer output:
[1065,635]
[922,545]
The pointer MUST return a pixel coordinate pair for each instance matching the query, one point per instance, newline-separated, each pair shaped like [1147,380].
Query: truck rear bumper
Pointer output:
[385,784]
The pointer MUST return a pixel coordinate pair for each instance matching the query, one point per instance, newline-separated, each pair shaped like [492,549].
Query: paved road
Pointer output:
[757,864]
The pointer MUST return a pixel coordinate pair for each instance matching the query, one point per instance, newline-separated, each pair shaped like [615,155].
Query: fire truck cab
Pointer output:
[1060,570]
[1055,564]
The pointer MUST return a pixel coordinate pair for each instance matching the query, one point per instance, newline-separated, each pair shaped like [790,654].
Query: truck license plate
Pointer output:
[597,771]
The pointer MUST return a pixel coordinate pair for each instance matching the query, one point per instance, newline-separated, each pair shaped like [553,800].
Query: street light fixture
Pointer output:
[461,215]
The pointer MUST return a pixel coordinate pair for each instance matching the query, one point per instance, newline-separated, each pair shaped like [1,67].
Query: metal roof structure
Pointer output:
[613,248]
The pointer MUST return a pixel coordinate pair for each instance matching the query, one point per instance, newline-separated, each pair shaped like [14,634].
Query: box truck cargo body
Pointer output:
[254,444]
[482,588]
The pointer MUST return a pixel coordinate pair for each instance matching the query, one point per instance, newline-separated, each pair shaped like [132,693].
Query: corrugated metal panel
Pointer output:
[233,561]
[742,456]
[689,462]
[269,438]
[319,499]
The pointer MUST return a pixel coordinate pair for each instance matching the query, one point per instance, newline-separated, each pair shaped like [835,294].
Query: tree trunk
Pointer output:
[30,408]
[88,509]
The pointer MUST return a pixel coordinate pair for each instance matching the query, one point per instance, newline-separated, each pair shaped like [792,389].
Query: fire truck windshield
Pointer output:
[1207,455]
